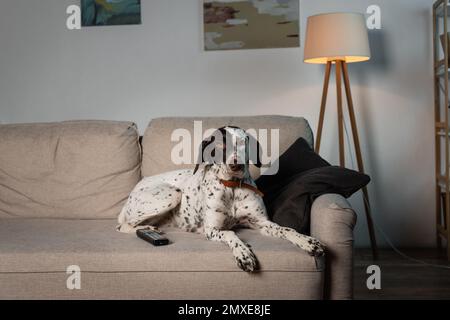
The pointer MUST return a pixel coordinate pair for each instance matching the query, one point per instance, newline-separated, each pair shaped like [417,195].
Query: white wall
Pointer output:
[48,73]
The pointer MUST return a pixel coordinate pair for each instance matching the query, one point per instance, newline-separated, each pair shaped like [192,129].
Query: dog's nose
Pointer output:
[236,167]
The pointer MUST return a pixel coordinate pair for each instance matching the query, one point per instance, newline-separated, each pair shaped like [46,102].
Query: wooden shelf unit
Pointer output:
[441,15]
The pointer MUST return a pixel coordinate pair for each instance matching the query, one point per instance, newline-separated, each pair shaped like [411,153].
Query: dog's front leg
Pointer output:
[245,258]
[309,244]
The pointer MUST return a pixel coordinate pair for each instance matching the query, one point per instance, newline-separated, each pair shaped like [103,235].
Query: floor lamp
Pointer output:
[338,39]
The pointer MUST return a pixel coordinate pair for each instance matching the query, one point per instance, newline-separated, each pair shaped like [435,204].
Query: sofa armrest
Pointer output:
[332,222]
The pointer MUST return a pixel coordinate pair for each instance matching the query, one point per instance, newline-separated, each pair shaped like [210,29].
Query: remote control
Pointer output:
[153,237]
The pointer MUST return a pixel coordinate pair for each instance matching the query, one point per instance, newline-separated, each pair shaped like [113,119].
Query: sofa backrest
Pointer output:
[158,145]
[72,170]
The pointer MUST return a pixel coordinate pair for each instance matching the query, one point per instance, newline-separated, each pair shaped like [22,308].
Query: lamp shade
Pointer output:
[337,36]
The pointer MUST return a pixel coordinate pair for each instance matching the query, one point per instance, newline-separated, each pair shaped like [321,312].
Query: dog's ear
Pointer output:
[218,137]
[205,143]
[254,151]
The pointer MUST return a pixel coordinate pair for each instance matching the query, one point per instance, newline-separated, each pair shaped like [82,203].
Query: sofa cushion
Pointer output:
[298,158]
[48,245]
[157,144]
[78,169]
[35,253]
[214,285]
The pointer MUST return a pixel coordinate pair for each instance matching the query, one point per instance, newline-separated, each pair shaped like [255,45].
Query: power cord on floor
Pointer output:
[380,230]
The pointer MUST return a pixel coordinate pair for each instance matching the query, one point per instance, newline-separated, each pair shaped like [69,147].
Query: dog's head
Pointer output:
[232,149]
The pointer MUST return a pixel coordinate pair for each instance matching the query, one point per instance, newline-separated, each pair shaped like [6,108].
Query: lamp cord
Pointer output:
[380,230]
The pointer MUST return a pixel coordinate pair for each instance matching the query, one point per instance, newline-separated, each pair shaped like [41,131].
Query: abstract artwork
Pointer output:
[251,24]
[110,12]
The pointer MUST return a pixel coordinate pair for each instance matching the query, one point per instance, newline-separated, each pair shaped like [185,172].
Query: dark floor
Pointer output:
[402,278]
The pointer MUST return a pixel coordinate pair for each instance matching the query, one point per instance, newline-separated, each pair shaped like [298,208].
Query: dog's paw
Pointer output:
[245,258]
[317,250]
[312,246]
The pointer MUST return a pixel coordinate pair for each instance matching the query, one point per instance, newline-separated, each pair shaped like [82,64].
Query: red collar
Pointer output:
[240,184]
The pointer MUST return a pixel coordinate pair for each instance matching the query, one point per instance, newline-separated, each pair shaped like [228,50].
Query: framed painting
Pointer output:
[251,24]
[110,12]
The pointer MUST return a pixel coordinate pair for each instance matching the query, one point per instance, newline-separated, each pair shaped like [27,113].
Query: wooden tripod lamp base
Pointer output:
[342,73]
[340,38]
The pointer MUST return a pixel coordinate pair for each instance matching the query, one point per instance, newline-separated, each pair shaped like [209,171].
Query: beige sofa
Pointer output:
[62,186]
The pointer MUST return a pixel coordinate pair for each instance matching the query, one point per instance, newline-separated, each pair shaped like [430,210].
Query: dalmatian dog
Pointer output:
[212,200]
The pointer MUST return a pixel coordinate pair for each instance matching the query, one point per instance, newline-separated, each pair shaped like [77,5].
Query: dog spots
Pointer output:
[184,196]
